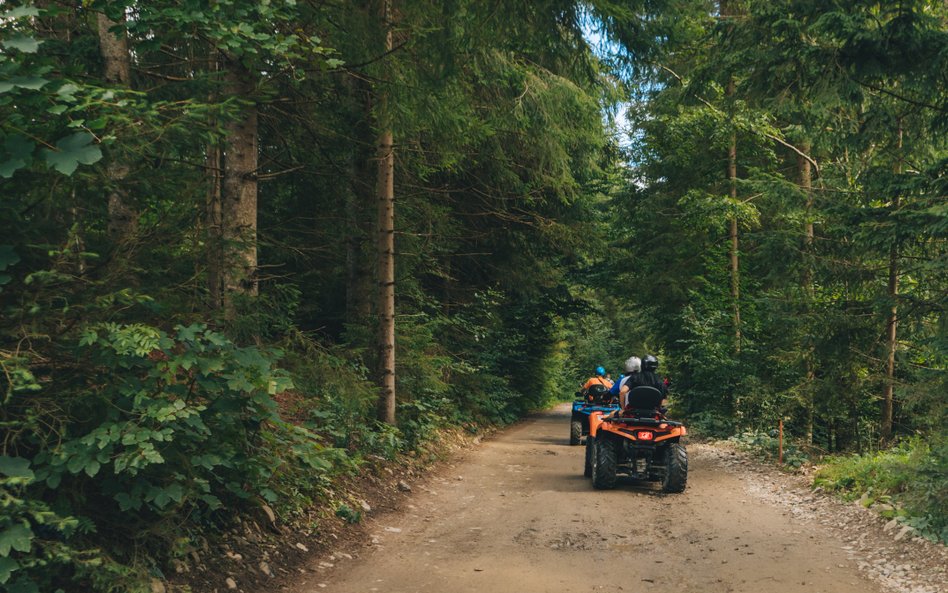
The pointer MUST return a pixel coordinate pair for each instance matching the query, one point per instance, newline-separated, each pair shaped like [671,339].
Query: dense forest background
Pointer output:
[244,245]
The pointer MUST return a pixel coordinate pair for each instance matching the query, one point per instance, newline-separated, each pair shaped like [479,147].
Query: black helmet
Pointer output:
[649,363]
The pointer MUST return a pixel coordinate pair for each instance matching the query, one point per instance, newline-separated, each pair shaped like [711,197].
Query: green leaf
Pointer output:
[24,586]
[24,43]
[20,12]
[20,151]
[189,333]
[19,147]
[53,481]
[175,492]
[15,467]
[8,168]
[71,151]
[27,82]
[8,257]
[17,537]
[92,468]
[7,566]
[126,502]
[34,83]
[67,91]
[75,464]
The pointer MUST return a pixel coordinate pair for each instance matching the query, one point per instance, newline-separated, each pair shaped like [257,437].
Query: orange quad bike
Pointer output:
[638,442]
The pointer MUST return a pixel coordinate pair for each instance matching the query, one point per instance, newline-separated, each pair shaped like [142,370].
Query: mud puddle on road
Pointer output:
[519,517]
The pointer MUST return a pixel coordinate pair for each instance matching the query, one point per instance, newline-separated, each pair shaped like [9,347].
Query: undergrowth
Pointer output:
[766,446]
[908,483]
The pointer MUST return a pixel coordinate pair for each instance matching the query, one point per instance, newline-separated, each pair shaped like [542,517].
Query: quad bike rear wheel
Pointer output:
[604,464]
[575,431]
[676,468]
[590,450]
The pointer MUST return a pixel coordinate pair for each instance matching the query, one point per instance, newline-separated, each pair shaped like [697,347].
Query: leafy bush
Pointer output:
[151,429]
[710,424]
[768,446]
[914,476]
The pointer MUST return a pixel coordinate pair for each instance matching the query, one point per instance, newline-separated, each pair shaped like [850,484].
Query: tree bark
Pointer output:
[726,11]
[362,191]
[213,231]
[806,185]
[239,193]
[113,45]
[386,245]
[735,254]
[888,394]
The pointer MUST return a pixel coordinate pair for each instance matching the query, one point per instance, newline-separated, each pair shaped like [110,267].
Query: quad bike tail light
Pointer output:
[645,435]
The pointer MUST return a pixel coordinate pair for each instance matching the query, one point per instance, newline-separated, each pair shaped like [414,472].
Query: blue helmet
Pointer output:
[600,371]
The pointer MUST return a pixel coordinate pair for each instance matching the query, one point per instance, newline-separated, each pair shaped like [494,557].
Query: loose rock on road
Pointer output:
[517,516]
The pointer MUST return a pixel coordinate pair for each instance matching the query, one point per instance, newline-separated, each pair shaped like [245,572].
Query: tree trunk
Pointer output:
[386,245]
[806,185]
[239,194]
[213,231]
[726,11]
[735,257]
[113,45]
[888,395]
[362,191]
[212,222]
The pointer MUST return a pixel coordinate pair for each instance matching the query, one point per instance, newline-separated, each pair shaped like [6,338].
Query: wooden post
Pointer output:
[780,443]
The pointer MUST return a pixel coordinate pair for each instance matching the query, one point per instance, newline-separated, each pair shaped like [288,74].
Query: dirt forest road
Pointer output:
[516,515]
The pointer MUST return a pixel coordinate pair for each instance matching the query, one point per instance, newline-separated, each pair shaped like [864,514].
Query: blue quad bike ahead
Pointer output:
[595,399]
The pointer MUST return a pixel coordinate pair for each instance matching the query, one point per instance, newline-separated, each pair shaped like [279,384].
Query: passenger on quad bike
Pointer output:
[643,375]
[598,379]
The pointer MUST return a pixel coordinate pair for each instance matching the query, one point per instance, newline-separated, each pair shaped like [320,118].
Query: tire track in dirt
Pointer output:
[517,516]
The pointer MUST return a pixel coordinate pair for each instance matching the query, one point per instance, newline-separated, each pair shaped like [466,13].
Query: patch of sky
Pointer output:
[630,90]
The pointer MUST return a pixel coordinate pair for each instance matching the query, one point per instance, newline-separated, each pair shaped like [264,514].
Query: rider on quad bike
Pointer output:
[637,440]
[647,377]
[594,396]
[598,379]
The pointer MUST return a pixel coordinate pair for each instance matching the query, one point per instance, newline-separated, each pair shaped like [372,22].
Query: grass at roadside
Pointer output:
[908,483]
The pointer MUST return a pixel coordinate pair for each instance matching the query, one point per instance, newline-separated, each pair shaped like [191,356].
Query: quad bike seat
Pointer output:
[645,397]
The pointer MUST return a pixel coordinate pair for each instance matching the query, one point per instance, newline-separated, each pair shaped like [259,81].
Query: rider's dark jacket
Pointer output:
[649,379]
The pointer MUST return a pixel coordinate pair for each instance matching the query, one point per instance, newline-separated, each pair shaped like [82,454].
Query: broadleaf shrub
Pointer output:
[151,427]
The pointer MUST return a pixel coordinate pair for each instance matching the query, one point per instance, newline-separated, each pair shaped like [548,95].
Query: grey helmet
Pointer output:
[633,365]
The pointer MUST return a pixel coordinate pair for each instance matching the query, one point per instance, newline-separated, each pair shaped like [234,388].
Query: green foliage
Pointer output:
[160,426]
[912,477]
[347,513]
[767,446]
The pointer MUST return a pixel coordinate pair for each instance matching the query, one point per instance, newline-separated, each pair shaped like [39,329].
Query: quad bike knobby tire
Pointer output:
[604,464]
[676,468]
[590,451]
[575,431]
